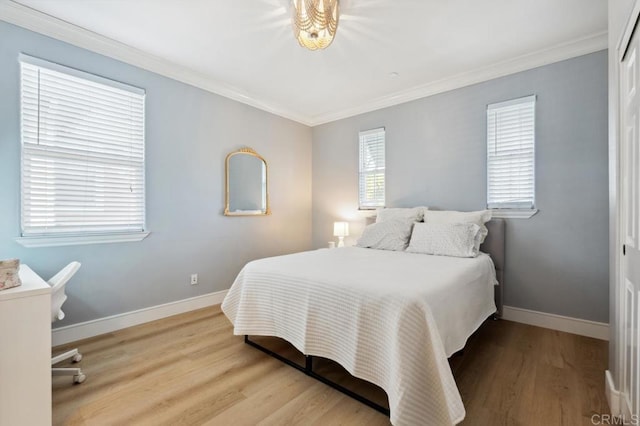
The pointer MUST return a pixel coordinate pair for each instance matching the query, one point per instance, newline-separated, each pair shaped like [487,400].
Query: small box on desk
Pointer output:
[9,273]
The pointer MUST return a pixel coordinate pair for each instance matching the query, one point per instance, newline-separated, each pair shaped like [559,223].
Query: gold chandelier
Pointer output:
[315,22]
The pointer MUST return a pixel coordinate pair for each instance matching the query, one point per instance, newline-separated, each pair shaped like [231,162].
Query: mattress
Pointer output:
[391,318]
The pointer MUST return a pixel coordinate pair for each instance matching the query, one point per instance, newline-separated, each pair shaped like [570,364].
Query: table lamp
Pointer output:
[340,230]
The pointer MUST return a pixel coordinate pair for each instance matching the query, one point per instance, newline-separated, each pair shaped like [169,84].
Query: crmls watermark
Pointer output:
[608,419]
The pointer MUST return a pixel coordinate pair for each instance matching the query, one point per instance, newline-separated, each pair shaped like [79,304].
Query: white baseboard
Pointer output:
[598,330]
[612,394]
[83,330]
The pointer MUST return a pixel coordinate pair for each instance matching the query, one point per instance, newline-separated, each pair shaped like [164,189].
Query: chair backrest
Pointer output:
[57,283]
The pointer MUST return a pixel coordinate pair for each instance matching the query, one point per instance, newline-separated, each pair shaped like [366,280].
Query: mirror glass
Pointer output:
[247,192]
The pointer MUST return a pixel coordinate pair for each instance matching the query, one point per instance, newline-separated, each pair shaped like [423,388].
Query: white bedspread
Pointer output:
[391,318]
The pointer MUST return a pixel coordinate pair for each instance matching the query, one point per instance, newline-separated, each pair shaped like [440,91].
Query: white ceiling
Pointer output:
[244,49]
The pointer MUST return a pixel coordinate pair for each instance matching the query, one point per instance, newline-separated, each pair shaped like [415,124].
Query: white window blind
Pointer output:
[511,154]
[82,152]
[372,168]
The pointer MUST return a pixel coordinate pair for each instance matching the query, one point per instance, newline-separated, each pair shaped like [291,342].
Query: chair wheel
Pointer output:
[79,378]
[77,358]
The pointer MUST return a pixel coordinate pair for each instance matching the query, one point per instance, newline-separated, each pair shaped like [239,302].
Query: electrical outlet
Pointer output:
[194,279]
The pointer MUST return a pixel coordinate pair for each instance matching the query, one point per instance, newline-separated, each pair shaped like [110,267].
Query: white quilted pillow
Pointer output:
[392,234]
[479,218]
[414,214]
[445,239]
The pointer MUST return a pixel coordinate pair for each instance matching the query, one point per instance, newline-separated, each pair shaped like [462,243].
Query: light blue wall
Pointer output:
[188,134]
[557,261]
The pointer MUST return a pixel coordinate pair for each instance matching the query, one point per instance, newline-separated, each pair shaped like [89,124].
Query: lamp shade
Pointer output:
[315,22]
[340,229]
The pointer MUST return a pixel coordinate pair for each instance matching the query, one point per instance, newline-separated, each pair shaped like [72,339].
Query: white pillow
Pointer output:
[445,239]
[479,218]
[392,234]
[414,214]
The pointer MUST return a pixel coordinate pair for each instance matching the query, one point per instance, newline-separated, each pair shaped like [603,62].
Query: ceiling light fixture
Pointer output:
[315,22]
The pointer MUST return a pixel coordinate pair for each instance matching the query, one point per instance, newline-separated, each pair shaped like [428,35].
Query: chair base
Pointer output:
[75,356]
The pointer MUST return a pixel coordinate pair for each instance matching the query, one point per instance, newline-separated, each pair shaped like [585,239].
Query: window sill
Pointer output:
[513,213]
[76,240]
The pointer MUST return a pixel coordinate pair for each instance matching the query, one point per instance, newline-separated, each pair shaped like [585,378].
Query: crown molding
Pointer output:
[31,19]
[560,52]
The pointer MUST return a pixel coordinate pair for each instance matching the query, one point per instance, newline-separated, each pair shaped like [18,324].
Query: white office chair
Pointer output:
[58,297]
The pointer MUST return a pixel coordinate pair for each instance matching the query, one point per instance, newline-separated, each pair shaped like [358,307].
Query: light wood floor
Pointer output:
[190,370]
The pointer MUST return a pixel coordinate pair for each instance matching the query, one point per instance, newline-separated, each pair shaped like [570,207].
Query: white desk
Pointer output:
[25,352]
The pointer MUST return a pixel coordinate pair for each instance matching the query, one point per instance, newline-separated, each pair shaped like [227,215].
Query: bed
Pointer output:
[391,318]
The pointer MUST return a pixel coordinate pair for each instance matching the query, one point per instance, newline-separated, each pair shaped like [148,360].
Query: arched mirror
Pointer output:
[247,192]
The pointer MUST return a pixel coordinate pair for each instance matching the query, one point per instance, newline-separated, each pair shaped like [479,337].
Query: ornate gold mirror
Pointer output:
[247,191]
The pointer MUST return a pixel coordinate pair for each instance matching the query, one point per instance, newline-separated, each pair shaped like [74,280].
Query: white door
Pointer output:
[630,225]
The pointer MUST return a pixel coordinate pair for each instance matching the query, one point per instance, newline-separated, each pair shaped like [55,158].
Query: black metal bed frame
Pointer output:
[308,370]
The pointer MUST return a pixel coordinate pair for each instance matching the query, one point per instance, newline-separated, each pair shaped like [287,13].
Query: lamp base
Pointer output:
[340,241]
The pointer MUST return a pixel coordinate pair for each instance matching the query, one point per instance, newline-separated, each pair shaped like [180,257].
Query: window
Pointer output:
[82,154]
[511,154]
[371,191]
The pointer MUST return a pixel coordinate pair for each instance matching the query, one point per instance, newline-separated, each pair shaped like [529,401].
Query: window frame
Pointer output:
[44,239]
[361,140]
[503,210]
